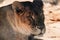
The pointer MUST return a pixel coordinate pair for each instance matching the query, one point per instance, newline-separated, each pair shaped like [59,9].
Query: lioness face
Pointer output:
[26,20]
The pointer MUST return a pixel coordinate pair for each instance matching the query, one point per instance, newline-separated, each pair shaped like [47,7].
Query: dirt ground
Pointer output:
[52,21]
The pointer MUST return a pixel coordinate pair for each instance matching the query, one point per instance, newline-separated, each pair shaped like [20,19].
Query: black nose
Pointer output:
[42,31]
[42,28]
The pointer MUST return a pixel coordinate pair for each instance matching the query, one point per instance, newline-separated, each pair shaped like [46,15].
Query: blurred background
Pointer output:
[52,17]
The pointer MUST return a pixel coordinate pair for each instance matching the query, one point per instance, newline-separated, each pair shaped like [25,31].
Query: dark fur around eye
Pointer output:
[19,10]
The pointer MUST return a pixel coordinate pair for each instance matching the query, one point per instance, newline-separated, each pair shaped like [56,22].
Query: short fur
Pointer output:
[20,20]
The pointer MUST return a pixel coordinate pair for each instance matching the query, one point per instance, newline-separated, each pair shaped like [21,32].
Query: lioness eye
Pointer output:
[19,10]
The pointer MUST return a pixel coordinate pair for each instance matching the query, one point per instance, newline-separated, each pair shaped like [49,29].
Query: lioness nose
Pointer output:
[42,30]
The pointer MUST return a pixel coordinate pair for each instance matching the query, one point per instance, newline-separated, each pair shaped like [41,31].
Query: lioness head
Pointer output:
[26,19]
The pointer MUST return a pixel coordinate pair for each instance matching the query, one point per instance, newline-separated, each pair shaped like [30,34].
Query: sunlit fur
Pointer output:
[18,26]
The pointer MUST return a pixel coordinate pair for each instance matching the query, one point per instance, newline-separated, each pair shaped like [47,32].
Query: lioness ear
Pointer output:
[17,7]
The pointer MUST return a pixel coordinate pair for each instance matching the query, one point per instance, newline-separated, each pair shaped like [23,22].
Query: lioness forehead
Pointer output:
[28,6]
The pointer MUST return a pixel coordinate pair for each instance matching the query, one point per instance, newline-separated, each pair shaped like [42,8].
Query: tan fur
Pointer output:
[19,20]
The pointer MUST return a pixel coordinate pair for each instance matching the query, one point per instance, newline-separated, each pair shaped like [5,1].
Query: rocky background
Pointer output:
[52,17]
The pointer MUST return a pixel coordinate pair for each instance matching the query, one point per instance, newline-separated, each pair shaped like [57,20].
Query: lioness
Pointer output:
[22,20]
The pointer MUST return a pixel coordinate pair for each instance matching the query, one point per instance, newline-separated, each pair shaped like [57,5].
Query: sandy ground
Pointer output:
[52,20]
